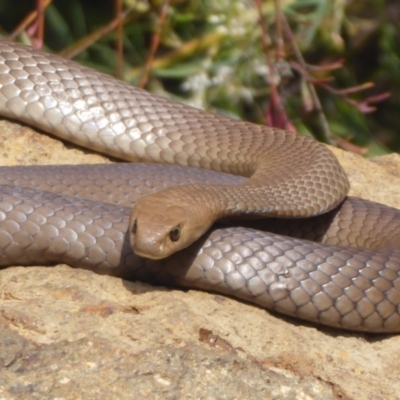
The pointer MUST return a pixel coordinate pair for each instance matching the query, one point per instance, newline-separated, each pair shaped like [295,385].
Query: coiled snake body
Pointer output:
[340,268]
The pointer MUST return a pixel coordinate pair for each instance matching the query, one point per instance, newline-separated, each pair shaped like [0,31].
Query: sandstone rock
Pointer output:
[68,333]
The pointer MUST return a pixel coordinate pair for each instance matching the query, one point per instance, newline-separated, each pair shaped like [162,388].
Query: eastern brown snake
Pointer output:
[348,278]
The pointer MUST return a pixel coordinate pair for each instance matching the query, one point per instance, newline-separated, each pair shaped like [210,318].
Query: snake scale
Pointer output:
[339,267]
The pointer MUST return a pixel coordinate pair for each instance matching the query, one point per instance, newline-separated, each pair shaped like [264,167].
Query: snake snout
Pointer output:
[157,228]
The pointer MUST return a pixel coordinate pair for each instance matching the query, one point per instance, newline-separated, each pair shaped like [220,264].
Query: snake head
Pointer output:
[159,227]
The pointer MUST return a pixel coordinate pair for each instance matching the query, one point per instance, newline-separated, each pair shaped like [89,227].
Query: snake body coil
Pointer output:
[288,176]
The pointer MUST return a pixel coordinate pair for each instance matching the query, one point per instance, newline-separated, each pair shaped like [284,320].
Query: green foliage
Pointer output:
[211,55]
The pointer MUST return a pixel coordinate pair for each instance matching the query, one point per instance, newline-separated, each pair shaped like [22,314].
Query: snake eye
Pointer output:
[175,234]
[134,227]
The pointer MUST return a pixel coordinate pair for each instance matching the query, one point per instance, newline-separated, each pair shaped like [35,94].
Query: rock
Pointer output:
[69,333]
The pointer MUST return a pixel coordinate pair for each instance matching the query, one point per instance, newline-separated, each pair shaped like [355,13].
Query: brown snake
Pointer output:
[341,268]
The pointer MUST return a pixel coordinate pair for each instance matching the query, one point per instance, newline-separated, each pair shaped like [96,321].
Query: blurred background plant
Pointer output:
[320,67]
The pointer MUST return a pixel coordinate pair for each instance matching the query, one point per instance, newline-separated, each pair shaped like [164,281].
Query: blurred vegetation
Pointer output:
[212,55]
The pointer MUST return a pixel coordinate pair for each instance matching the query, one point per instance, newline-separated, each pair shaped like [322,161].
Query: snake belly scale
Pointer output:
[348,278]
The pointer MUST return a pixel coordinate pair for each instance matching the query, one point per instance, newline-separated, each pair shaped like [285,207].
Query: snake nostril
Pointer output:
[134,227]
